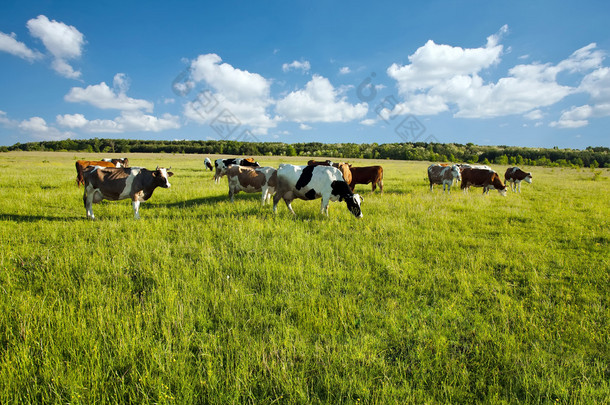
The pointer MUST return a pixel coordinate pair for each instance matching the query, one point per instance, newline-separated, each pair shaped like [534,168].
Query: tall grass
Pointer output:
[430,298]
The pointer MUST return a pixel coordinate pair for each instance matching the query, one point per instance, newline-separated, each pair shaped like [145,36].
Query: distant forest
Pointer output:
[435,152]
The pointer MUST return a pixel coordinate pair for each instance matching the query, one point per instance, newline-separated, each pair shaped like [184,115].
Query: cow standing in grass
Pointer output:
[223,164]
[488,179]
[81,165]
[109,183]
[445,175]
[366,175]
[312,182]
[515,176]
[208,164]
[252,180]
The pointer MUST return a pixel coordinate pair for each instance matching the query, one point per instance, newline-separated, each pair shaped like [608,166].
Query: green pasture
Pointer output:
[429,298]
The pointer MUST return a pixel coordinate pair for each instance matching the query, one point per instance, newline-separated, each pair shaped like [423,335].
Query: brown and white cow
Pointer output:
[515,176]
[110,183]
[252,180]
[443,174]
[319,163]
[343,167]
[488,179]
[118,162]
[222,165]
[81,165]
[366,175]
[208,164]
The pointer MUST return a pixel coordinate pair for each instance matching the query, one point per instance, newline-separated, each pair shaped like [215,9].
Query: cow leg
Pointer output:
[289,205]
[136,208]
[88,201]
[381,186]
[231,194]
[324,206]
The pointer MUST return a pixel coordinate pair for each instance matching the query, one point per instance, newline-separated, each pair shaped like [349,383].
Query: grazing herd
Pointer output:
[476,176]
[114,179]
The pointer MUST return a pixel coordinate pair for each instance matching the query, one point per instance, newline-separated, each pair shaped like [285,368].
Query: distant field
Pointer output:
[430,298]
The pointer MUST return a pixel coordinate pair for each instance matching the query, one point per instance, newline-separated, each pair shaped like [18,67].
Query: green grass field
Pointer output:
[430,298]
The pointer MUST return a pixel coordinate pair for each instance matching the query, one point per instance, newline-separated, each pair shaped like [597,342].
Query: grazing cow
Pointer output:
[252,180]
[514,176]
[110,183]
[118,162]
[488,179]
[208,164]
[445,175]
[311,182]
[366,175]
[81,165]
[319,163]
[222,165]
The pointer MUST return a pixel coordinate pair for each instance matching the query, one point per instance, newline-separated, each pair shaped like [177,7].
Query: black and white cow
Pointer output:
[222,165]
[109,183]
[311,182]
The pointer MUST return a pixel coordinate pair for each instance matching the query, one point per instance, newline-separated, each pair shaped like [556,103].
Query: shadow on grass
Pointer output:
[35,218]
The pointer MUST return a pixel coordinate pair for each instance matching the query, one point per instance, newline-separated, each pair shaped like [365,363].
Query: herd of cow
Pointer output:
[114,179]
[477,176]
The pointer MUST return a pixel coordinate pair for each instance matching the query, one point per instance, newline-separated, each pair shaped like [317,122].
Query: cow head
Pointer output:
[161,176]
[353,201]
[528,178]
[456,172]
[353,204]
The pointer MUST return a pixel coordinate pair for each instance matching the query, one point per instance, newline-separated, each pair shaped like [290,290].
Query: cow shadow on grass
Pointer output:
[36,218]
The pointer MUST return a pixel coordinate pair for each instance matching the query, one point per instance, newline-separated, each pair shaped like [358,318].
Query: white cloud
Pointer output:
[102,96]
[9,43]
[38,128]
[63,41]
[368,122]
[534,115]
[128,121]
[296,65]
[245,95]
[441,78]
[344,70]
[319,102]
[304,127]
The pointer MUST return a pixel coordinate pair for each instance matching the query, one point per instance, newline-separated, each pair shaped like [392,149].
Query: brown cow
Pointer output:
[320,163]
[488,179]
[366,175]
[81,165]
[515,176]
[252,180]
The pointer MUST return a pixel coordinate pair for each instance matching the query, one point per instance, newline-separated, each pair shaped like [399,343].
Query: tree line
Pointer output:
[435,152]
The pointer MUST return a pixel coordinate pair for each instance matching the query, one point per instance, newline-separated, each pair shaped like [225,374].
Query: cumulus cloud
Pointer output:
[38,128]
[245,95]
[9,43]
[304,66]
[102,96]
[344,70]
[319,101]
[63,41]
[441,78]
[128,121]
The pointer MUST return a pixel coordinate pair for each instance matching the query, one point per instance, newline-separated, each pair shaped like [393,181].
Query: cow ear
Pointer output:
[170,174]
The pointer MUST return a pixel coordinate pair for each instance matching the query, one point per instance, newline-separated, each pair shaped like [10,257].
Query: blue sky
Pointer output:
[521,73]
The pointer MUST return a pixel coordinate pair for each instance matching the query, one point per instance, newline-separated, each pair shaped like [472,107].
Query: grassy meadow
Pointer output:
[430,298]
